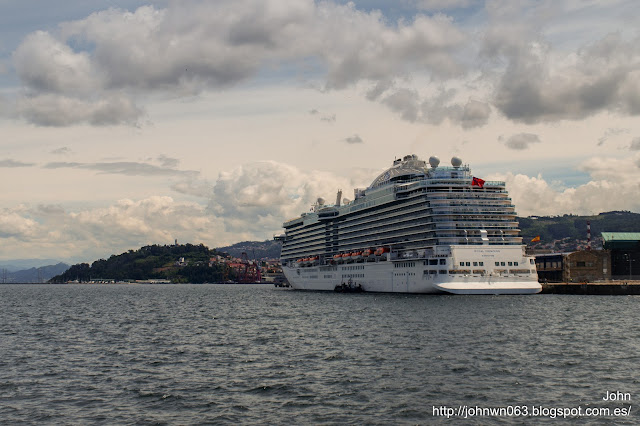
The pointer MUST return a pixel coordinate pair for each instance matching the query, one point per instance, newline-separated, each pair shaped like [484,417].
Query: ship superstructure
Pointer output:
[418,228]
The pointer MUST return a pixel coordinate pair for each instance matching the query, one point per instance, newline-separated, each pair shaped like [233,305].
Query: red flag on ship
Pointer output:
[477,182]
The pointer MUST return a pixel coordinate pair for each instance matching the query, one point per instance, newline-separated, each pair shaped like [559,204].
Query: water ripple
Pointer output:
[187,354]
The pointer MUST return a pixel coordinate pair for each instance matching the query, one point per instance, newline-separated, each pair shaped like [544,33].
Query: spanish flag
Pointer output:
[536,239]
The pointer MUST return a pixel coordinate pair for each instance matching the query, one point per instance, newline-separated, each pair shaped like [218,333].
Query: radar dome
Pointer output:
[320,201]
[434,161]
[456,162]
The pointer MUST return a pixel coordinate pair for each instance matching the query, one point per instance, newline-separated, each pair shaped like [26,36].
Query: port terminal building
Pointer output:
[577,266]
[625,254]
[619,260]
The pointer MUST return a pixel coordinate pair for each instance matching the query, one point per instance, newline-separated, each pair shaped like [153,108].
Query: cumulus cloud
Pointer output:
[435,109]
[260,196]
[14,223]
[48,65]
[219,44]
[521,141]
[635,144]
[201,188]
[98,232]
[13,163]
[247,203]
[613,186]
[538,86]
[92,70]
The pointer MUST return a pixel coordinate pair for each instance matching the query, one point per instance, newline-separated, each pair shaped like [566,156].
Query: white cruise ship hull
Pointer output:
[470,285]
[416,276]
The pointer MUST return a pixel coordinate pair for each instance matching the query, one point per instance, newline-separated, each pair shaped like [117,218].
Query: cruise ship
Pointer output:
[418,228]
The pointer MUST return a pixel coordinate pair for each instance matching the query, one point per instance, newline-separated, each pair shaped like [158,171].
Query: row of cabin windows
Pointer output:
[479,263]
[503,263]
[404,265]
[351,268]
[435,262]
[352,275]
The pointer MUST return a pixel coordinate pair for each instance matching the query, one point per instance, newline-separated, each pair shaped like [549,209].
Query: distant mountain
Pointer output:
[254,249]
[14,265]
[33,275]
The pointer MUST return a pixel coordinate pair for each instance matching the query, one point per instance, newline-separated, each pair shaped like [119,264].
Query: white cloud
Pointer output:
[47,65]
[260,196]
[86,69]
[613,186]
[437,108]
[98,232]
[15,224]
[540,85]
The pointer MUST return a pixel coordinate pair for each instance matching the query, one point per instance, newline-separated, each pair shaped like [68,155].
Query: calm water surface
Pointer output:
[191,354]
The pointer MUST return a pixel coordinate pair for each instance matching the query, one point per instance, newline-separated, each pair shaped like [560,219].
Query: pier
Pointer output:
[618,288]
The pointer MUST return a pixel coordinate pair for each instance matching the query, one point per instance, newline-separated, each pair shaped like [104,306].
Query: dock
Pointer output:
[621,288]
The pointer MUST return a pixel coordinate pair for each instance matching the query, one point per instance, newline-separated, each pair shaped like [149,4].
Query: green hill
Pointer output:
[152,262]
[573,229]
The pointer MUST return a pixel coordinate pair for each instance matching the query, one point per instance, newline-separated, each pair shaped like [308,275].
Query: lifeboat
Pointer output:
[300,262]
[366,253]
[356,255]
[337,258]
[313,260]
[346,256]
[381,250]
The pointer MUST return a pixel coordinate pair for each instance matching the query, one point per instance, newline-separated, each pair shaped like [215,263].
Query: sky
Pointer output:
[127,123]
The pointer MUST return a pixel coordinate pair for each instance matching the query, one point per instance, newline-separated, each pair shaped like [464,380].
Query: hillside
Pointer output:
[152,262]
[569,232]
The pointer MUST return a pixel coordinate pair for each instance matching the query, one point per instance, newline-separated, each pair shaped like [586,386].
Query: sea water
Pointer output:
[253,354]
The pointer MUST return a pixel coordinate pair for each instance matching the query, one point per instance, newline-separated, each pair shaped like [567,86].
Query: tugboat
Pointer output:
[349,287]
